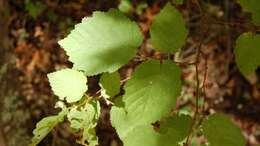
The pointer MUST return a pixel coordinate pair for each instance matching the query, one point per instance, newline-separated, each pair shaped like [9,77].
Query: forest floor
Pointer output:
[29,50]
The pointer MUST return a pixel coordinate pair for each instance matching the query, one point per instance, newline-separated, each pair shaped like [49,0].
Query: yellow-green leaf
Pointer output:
[68,83]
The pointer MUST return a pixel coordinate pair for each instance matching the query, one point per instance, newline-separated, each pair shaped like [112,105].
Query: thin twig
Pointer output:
[204,82]
[185,63]
[197,94]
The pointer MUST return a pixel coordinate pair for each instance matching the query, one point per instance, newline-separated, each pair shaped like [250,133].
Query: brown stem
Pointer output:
[204,82]
[197,95]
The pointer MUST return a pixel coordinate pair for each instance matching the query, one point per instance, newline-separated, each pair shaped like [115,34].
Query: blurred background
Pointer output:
[30,29]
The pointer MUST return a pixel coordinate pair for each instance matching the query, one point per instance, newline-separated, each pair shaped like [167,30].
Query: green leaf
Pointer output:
[220,131]
[149,95]
[89,135]
[110,84]
[178,2]
[68,83]
[252,6]
[45,126]
[86,119]
[140,7]
[34,8]
[125,6]
[168,32]
[177,128]
[102,43]
[247,53]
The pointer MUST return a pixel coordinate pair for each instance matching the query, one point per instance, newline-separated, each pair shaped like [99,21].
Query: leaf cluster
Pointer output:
[104,43]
